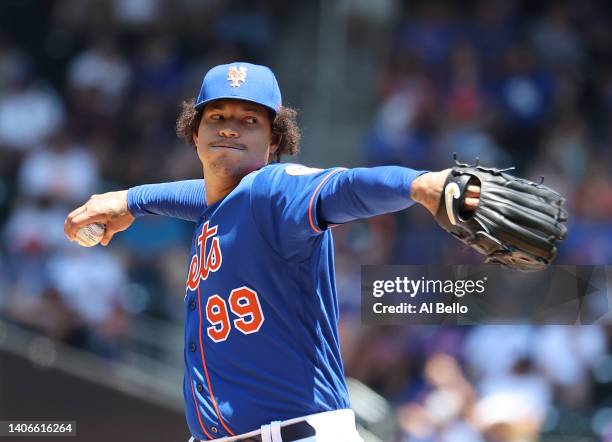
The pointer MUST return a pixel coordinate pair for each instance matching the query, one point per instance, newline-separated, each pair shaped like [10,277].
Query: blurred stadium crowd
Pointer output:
[89,91]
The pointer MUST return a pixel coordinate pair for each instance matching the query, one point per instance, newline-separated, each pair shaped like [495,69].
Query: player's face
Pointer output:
[234,138]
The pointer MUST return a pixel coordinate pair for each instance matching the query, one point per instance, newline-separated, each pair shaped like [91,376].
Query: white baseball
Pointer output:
[90,235]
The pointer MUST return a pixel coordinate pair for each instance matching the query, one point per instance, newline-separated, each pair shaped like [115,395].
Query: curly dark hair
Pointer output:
[284,124]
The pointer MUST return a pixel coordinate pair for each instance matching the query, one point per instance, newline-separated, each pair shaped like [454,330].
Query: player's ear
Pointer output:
[274,147]
[195,127]
[194,137]
[275,142]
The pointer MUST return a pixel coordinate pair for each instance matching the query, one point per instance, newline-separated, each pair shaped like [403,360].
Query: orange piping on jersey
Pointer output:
[314,194]
[210,392]
[198,411]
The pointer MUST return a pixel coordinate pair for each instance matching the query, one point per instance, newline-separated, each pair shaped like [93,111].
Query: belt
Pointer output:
[331,425]
[296,431]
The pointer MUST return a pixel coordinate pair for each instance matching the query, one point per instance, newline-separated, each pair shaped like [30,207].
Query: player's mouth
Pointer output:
[226,145]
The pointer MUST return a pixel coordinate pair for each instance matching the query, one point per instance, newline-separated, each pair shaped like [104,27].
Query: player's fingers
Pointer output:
[89,218]
[471,203]
[70,229]
[67,231]
[72,226]
[108,235]
[77,211]
[68,223]
[473,191]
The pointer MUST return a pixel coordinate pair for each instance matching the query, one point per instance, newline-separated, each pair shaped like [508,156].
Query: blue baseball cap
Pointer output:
[241,81]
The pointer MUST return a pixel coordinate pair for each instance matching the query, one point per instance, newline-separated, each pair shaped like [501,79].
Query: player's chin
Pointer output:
[226,166]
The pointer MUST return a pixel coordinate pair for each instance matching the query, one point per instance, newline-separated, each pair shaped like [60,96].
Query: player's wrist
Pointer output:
[427,189]
[123,209]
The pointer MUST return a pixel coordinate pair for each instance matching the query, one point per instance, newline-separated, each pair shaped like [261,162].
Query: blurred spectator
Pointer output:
[492,351]
[247,24]
[13,64]
[567,355]
[30,110]
[137,12]
[493,29]
[61,170]
[439,413]
[468,113]
[465,97]
[35,226]
[430,32]
[513,406]
[402,130]
[594,194]
[525,97]
[50,315]
[555,39]
[101,76]
[158,71]
[91,282]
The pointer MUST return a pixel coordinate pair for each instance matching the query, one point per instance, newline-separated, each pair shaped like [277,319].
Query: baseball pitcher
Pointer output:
[262,357]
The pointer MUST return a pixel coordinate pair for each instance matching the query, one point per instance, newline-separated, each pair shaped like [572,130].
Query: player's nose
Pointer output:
[229,133]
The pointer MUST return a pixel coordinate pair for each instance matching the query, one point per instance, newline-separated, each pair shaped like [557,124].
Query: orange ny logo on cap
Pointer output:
[236,75]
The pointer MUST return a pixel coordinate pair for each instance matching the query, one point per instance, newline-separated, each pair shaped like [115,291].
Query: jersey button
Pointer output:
[200,388]
[214,429]
[192,347]
[192,304]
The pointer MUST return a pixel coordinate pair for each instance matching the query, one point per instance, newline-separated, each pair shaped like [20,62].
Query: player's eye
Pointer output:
[216,117]
[250,120]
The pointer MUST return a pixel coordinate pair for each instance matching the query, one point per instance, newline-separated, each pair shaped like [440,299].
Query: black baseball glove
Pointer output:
[517,223]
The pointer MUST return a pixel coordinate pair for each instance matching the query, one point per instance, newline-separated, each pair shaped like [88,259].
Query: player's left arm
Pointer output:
[364,192]
[427,190]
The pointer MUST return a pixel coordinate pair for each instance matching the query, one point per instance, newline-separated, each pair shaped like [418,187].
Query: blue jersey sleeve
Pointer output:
[365,192]
[180,199]
[293,204]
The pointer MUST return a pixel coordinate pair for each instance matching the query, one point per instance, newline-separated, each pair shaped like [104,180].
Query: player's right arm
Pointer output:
[118,210]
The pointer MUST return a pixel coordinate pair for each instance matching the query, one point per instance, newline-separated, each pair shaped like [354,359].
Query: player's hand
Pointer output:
[427,190]
[109,208]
